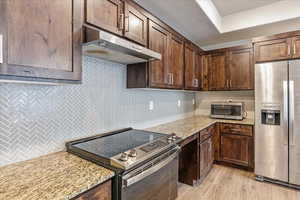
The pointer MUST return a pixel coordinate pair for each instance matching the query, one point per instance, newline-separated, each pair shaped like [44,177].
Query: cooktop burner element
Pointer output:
[122,149]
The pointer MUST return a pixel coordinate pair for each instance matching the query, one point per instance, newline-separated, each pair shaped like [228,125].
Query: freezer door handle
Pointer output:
[285,110]
[292,113]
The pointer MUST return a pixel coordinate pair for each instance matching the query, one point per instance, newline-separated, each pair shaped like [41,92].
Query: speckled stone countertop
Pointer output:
[189,126]
[57,176]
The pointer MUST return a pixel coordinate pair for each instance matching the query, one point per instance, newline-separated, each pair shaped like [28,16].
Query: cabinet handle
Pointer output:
[289,50]
[172,78]
[295,51]
[127,24]
[121,22]
[1,48]
[230,84]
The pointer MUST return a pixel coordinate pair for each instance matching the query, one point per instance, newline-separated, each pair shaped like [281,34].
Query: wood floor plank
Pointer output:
[225,183]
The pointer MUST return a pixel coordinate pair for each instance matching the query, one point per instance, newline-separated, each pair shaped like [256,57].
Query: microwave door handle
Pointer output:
[152,170]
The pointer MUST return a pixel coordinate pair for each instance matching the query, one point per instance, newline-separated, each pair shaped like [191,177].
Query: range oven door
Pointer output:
[155,180]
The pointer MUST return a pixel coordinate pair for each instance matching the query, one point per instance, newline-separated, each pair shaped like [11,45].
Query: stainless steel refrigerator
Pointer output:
[277,122]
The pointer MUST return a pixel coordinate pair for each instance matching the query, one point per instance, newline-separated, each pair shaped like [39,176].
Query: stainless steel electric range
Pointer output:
[145,163]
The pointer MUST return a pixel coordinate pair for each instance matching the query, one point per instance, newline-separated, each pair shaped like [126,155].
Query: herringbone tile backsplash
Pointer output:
[37,120]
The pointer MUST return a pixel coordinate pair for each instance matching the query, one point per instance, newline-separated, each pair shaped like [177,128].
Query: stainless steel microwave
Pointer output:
[228,110]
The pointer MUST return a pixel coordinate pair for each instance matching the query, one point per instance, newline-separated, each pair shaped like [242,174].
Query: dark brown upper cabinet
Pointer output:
[159,42]
[41,40]
[217,72]
[192,67]
[240,70]
[205,61]
[283,46]
[176,62]
[135,25]
[106,14]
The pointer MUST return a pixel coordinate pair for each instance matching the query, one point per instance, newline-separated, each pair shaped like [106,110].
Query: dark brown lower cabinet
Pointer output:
[206,158]
[100,192]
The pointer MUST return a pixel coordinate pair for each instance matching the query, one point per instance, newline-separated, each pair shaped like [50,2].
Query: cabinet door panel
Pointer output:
[236,149]
[176,66]
[105,14]
[135,25]
[204,71]
[42,39]
[241,69]
[296,47]
[158,41]
[192,68]
[206,157]
[272,50]
[217,72]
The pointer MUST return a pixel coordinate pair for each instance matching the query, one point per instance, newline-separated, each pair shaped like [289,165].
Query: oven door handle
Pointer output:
[151,170]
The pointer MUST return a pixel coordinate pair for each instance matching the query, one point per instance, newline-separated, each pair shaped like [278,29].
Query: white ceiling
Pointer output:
[207,22]
[227,7]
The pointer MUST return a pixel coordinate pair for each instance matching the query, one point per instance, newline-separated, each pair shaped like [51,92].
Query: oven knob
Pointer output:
[133,153]
[174,137]
[124,157]
[170,139]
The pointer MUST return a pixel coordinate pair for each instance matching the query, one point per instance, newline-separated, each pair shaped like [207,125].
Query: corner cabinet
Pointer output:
[41,41]
[192,68]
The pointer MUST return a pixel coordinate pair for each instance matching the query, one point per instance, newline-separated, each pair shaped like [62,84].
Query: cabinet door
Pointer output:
[206,157]
[204,71]
[217,72]
[240,69]
[106,14]
[236,149]
[101,192]
[158,41]
[296,47]
[192,68]
[216,142]
[41,39]
[272,50]
[176,61]
[135,25]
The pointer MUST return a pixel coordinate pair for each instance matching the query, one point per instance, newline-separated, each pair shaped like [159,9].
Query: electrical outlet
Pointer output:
[178,103]
[151,105]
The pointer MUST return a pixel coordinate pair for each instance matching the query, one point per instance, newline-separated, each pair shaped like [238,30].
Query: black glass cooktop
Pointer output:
[112,145]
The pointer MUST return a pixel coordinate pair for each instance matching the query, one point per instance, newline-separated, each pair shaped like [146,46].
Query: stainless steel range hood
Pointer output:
[107,46]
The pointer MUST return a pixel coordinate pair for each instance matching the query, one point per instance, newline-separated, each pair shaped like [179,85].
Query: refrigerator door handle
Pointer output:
[285,109]
[292,113]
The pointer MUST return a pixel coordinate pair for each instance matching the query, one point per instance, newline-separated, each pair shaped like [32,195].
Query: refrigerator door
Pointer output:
[294,122]
[271,120]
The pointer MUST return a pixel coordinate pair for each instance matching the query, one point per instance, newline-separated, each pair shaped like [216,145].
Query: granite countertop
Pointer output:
[189,126]
[56,176]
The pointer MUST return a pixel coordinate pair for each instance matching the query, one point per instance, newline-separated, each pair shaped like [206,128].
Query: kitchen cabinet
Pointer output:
[206,154]
[241,69]
[283,46]
[176,62]
[192,67]
[159,42]
[217,72]
[106,14]
[41,41]
[205,61]
[272,50]
[135,25]
[100,192]
[237,145]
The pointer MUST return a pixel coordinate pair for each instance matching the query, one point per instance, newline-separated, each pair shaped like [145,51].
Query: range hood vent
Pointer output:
[101,44]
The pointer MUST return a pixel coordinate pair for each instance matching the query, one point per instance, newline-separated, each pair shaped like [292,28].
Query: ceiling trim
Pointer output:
[275,12]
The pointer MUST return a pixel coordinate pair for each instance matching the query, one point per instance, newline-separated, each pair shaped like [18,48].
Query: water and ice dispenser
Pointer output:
[270,117]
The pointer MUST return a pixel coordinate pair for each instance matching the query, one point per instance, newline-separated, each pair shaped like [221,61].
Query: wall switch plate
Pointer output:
[178,103]
[151,105]
[193,101]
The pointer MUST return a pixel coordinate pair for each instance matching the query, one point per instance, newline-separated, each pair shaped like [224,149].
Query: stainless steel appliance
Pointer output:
[277,122]
[99,43]
[228,110]
[144,162]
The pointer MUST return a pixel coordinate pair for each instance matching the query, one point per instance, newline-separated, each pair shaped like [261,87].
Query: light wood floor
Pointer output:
[224,183]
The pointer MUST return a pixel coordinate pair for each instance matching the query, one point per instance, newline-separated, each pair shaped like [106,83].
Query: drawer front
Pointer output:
[237,129]
[206,133]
